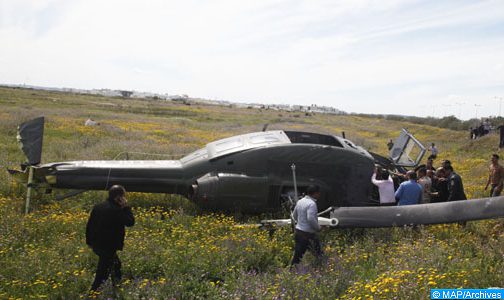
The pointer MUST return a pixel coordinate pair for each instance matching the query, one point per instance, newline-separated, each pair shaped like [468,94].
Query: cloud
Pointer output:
[354,55]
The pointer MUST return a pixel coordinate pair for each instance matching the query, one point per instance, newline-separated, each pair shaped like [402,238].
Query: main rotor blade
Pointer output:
[434,213]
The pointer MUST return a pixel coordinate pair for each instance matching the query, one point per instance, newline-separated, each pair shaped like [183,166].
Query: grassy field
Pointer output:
[177,252]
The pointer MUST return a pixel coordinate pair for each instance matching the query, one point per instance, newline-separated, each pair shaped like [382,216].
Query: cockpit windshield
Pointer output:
[407,150]
[313,138]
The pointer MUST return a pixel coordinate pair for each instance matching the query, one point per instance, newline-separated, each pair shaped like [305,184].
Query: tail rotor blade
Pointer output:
[30,136]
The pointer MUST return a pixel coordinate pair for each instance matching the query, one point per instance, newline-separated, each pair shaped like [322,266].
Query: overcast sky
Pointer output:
[395,57]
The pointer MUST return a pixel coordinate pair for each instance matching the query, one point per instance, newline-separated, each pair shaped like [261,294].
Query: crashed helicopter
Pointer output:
[261,172]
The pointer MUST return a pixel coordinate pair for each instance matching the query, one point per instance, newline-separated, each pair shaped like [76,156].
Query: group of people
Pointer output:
[428,184]
[425,184]
[485,129]
[481,130]
[105,229]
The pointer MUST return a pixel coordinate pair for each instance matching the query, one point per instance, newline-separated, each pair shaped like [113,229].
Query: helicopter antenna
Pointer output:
[293,168]
[293,226]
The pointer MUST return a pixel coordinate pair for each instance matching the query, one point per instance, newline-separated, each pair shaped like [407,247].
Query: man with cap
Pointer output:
[307,226]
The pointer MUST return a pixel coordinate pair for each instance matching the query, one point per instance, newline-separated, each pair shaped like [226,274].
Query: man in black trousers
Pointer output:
[105,232]
[307,226]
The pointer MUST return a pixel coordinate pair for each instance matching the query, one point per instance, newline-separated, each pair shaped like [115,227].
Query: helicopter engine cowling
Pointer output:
[221,191]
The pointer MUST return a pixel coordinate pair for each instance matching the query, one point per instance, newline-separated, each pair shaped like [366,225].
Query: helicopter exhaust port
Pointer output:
[193,193]
[204,189]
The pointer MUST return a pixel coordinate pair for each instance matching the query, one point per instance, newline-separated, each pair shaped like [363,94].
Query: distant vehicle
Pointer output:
[251,173]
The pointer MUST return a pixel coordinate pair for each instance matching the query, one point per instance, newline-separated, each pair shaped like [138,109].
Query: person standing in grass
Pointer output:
[426,183]
[430,165]
[487,126]
[381,178]
[307,226]
[409,192]
[390,145]
[439,186]
[495,177]
[434,151]
[455,186]
[501,136]
[105,231]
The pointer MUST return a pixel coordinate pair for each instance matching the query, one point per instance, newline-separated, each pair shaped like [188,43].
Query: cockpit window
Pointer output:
[407,150]
[350,144]
[312,138]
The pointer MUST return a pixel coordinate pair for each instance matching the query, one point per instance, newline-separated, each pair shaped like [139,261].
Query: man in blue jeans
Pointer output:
[409,192]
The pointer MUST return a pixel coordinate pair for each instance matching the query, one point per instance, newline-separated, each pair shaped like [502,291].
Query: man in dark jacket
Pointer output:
[105,234]
[455,186]
[439,186]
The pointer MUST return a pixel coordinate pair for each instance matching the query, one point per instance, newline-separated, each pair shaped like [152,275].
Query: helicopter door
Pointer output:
[407,150]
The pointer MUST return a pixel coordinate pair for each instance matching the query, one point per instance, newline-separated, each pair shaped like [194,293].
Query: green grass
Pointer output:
[176,251]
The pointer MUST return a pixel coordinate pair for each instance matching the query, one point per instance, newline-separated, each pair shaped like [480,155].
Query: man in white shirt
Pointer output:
[434,151]
[307,226]
[385,186]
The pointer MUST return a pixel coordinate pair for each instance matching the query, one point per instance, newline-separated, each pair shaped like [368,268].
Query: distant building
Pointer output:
[126,94]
